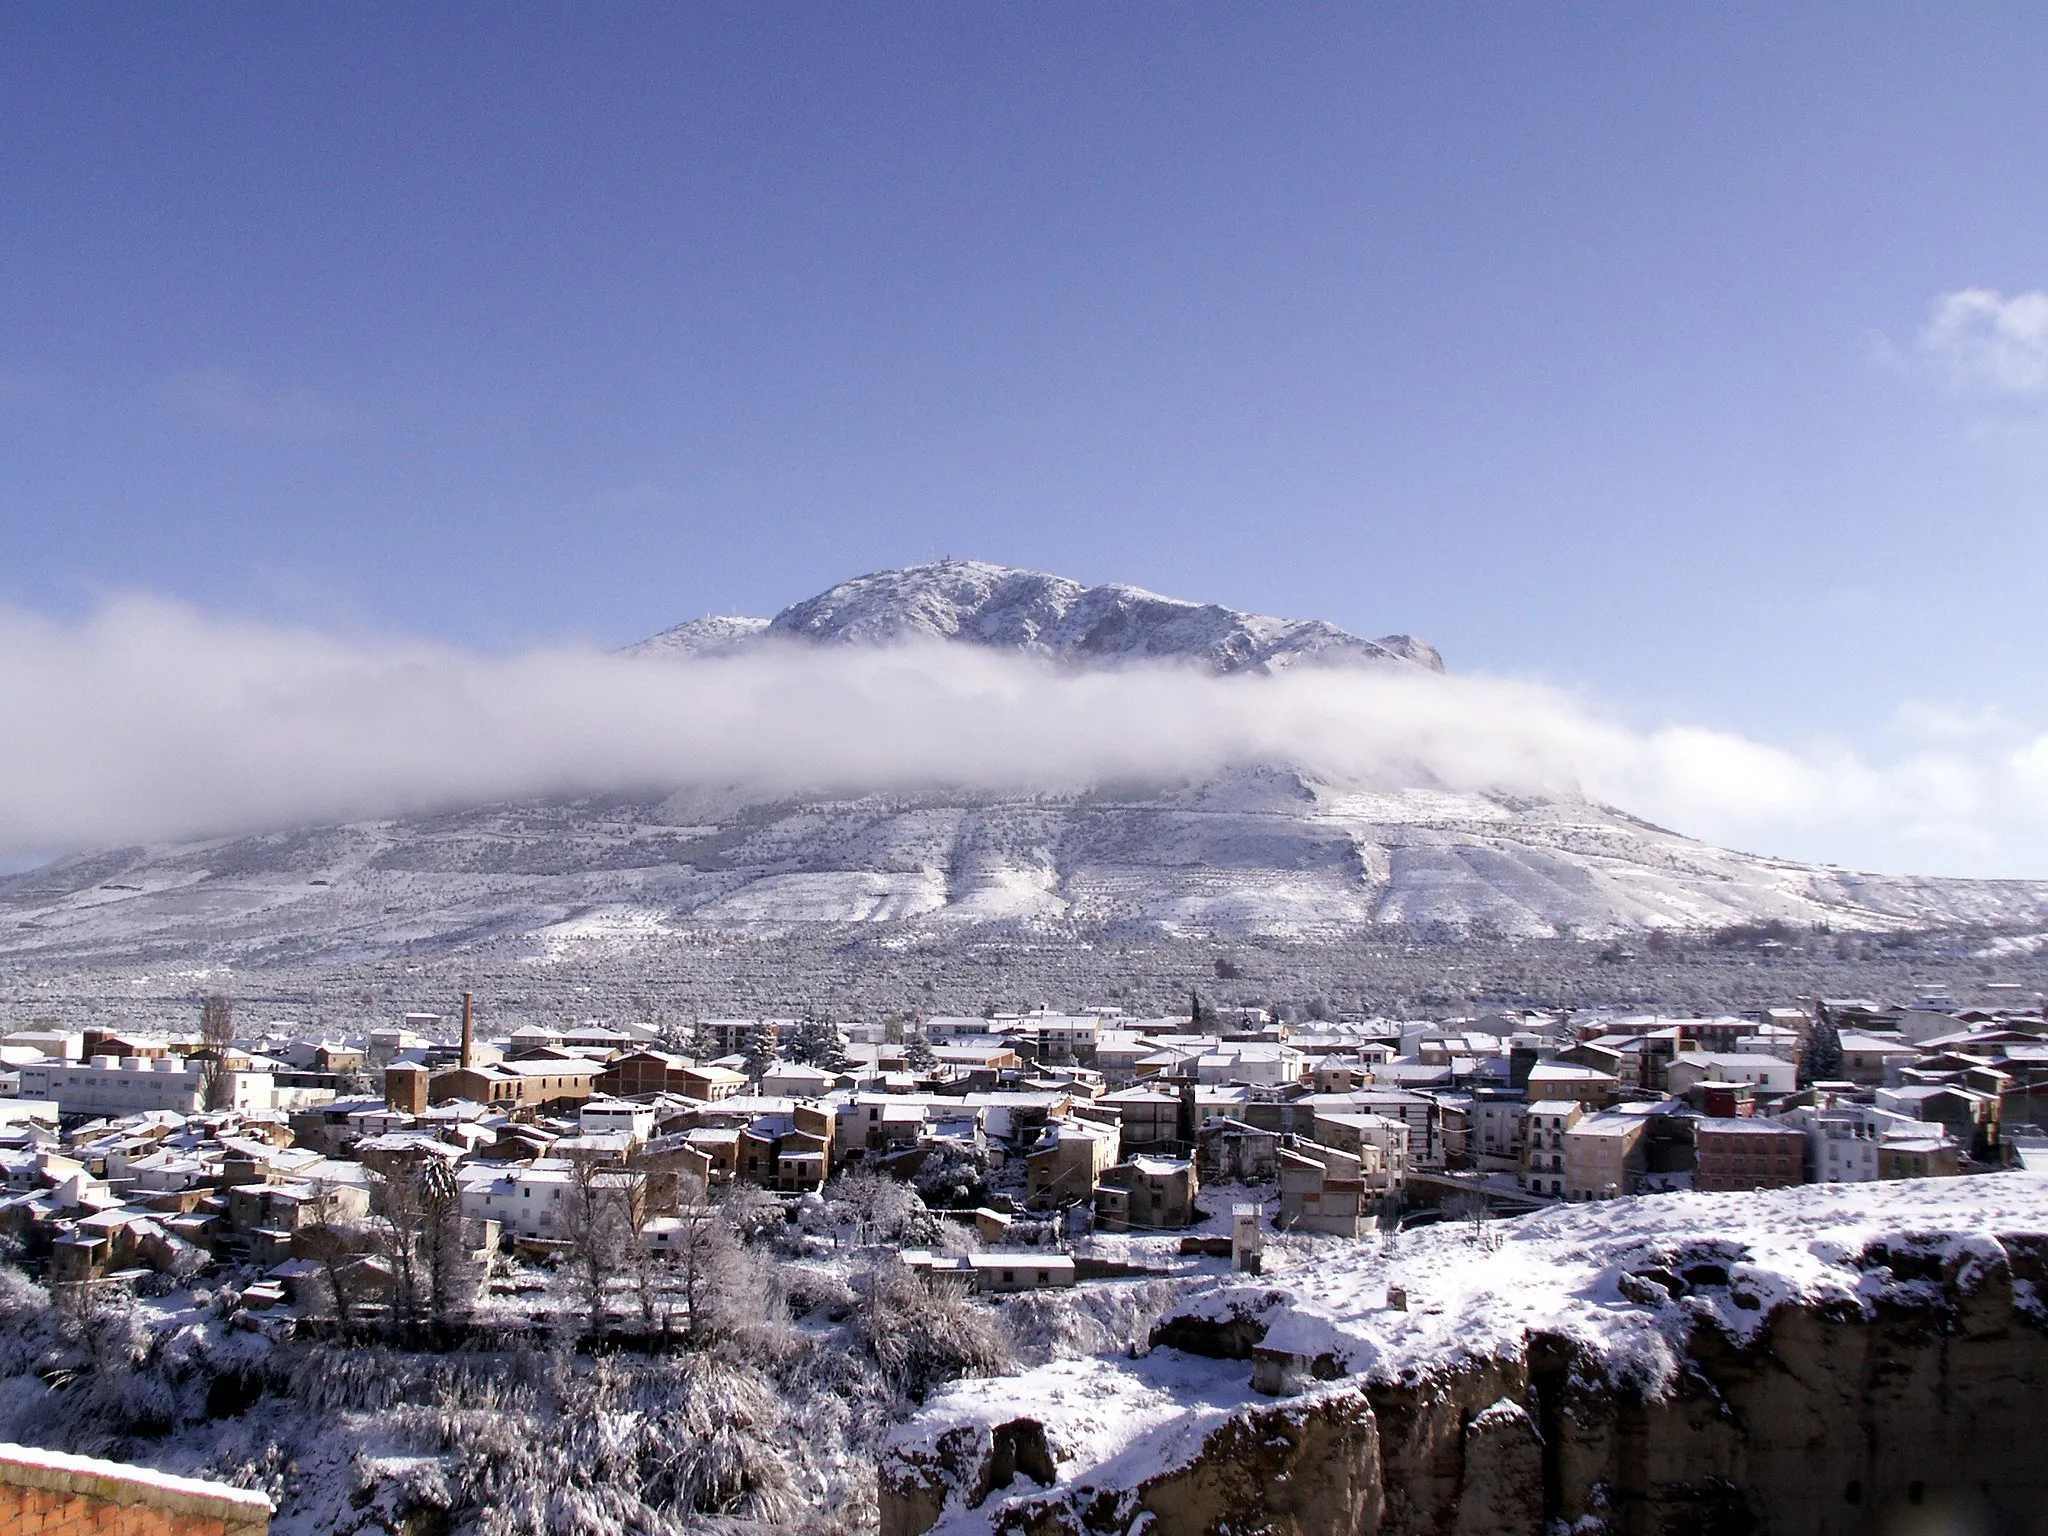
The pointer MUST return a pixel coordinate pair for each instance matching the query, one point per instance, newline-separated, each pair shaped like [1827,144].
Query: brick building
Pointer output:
[1747,1154]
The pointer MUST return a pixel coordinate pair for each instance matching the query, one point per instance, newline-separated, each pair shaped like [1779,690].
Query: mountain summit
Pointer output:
[1005,608]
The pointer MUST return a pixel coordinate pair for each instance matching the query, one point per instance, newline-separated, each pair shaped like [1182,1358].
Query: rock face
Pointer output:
[1917,1408]
[1290,1470]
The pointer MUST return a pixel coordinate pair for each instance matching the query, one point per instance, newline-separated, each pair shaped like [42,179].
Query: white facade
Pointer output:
[616,1117]
[282,1096]
[1268,1066]
[131,1085]
[1768,1073]
[525,1200]
[1544,1127]
[1497,1129]
[57,1044]
[797,1080]
[128,1086]
[1917,1025]
[1842,1141]
[1065,1037]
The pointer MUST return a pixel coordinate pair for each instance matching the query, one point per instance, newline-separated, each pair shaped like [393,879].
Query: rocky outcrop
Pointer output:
[1288,1469]
[1917,1407]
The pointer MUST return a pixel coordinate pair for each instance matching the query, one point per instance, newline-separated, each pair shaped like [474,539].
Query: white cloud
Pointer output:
[150,720]
[1985,341]
[223,399]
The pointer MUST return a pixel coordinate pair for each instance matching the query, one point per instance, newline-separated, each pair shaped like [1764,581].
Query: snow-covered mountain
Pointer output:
[1264,849]
[995,605]
[1256,852]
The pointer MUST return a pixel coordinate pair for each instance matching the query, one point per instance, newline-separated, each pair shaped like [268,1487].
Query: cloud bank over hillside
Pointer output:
[148,719]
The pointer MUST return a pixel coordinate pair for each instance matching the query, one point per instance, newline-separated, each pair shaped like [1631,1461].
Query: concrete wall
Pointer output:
[47,1493]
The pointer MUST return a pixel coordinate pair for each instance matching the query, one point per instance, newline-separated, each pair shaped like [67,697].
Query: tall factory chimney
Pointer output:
[468,1038]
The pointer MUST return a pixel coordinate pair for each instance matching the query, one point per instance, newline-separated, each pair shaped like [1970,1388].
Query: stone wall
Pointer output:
[48,1493]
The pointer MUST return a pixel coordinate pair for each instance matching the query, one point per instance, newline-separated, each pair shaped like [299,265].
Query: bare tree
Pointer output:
[600,1224]
[334,1243]
[651,1271]
[451,1274]
[216,1040]
[396,1200]
[708,1263]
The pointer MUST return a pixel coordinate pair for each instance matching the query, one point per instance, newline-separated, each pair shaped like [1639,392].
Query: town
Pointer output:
[406,1174]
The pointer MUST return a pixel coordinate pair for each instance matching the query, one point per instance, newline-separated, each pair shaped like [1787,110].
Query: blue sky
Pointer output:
[1601,345]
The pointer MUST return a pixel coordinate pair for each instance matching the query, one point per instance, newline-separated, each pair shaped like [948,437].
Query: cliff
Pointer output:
[1836,1360]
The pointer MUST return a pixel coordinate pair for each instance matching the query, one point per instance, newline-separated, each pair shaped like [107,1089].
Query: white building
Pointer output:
[20,1112]
[1544,1128]
[1353,1133]
[1842,1139]
[526,1199]
[1919,1024]
[57,1044]
[797,1080]
[616,1117]
[1021,1271]
[1064,1037]
[1767,1074]
[1497,1133]
[1258,1062]
[129,1085]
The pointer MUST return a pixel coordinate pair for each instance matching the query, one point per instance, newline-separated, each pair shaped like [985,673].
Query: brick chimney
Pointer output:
[468,1039]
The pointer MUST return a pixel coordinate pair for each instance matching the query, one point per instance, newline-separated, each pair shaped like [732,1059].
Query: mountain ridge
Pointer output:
[1010,608]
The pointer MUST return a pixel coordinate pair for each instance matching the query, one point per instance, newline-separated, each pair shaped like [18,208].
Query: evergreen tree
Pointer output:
[1821,1061]
[760,1049]
[818,1044]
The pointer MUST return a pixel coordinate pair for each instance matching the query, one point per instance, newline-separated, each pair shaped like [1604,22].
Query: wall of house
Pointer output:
[44,1493]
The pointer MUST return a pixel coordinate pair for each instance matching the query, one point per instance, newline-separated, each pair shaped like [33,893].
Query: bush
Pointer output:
[753,1213]
[953,1181]
[1057,1325]
[921,1336]
[868,1209]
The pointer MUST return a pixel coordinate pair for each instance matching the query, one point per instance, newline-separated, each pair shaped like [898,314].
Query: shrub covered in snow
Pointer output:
[753,1422]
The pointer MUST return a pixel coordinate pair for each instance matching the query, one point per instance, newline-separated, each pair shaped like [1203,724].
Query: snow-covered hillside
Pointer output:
[1255,853]
[1262,850]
